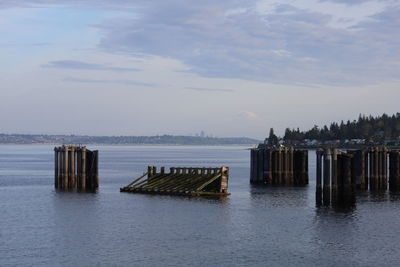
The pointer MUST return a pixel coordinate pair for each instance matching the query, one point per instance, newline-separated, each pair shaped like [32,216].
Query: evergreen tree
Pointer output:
[378,128]
[272,138]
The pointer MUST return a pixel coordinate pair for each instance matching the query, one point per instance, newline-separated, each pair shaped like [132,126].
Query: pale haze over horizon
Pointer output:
[229,68]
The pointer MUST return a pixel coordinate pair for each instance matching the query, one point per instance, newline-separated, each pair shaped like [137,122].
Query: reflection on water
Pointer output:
[254,226]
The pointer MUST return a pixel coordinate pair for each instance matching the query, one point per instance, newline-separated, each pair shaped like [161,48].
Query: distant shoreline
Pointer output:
[37,139]
[103,144]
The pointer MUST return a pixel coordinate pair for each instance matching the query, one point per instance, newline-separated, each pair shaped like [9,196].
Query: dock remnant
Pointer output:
[278,166]
[182,181]
[76,167]
[336,168]
[344,172]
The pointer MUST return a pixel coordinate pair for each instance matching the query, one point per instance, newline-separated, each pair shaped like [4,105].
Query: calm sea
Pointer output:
[255,226]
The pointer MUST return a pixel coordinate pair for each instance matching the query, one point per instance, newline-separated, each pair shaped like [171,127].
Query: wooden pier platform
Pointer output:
[182,181]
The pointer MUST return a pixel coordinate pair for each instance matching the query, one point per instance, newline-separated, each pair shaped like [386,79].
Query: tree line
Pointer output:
[370,128]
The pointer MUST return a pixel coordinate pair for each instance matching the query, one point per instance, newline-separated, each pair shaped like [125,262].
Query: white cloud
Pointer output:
[289,41]
[249,115]
[342,14]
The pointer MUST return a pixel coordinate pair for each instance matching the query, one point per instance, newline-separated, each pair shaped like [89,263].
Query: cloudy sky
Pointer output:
[230,68]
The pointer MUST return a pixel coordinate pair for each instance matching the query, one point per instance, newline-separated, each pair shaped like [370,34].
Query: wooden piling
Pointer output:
[61,167]
[349,180]
[297,167]
[96,168]
[56,167]
[359,168]
[279,169]
[66,168]
[334,175]
[377,168]
[224,180]
[384,168]
[372,168]
[260,164]
[291,166]
[366,169]
[394,170]
[267,166]
[252,165]
[337,198]
[318,194]
[326,192]
[79,167]
[72,168]
[274,167]
[305,172]
[284,166]
[84,169]
[302,167]
[254,160]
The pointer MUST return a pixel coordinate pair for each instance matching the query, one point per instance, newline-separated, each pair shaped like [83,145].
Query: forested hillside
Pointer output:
[377,128]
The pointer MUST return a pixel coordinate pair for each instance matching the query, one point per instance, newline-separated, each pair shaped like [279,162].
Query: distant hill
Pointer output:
[123,140]
[374,129]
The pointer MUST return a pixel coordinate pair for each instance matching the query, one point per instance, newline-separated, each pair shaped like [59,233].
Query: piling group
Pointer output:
[340,173]
[76,167]
[278,166]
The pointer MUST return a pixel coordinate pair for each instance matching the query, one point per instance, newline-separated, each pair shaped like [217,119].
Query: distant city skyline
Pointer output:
[230,68]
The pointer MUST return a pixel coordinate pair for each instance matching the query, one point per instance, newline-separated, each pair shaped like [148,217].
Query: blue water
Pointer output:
[254,226]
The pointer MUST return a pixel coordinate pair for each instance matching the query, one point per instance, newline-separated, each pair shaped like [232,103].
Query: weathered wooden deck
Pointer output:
[182,181]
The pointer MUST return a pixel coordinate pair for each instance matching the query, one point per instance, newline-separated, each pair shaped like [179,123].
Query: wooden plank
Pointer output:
[154,180]
[189,182]
[169,183]
[208,182]
[161,181]
[181,181]
[136,180]
[194,186]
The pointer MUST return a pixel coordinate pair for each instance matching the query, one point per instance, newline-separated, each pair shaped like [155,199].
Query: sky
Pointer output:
[228,68]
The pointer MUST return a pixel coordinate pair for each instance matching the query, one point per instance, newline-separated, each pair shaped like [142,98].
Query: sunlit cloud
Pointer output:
[249,115]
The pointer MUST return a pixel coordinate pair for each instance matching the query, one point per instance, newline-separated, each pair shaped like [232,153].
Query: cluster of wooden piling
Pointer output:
[76,167]
[182,181]
[340,173]
[278,166]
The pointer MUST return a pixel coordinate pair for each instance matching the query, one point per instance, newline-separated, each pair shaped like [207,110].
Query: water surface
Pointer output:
[254,226]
